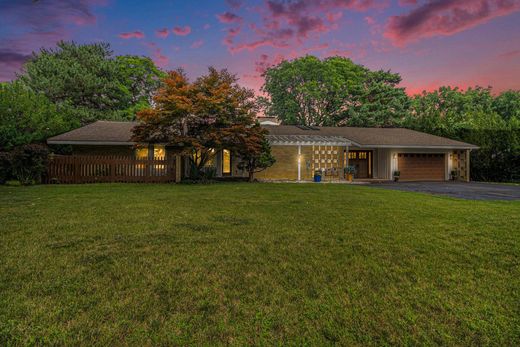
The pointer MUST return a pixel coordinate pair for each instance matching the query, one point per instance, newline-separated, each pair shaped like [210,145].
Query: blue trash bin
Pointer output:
[317,178]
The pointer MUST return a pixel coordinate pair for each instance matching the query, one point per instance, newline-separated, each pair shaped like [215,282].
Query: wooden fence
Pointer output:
[93,169]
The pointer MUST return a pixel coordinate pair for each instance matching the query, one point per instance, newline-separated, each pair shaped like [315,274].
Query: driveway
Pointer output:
[470,191]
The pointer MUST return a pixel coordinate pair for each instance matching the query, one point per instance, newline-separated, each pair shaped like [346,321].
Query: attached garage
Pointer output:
[422,166]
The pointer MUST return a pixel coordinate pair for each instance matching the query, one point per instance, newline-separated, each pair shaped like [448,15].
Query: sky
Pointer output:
[428,42]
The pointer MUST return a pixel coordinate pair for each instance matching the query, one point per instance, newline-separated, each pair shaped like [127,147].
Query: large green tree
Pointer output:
[26,116]
[89,79]
[333,92]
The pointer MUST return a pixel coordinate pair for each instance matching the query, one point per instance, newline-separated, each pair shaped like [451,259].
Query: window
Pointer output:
[362,155]
[226,162]
[141,153]
[352,155]
[159,152]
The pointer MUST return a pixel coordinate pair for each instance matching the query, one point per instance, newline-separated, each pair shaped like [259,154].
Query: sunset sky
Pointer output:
[429,42]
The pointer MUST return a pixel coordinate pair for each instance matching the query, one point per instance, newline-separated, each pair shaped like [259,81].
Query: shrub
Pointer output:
[29,163]
[5,167]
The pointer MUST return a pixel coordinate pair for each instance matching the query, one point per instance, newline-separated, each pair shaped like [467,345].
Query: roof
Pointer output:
[98,133]
[373,137]
[120,133]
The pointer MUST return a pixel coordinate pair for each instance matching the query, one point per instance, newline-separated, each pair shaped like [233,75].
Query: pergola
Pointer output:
[310,140]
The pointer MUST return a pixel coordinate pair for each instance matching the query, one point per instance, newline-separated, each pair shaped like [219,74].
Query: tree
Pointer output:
[507,104]
[192,118]
[91,81]
[251,146]
[471,116]
[27,117]
[333,92]
[141,78]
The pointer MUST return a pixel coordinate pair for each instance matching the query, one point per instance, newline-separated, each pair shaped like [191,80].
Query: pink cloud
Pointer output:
[407,2]
[444,18]
[158,57]
[370,20]
[197,44]
[334,16]
[228,17]
[162,32]
[290,23]
[182,31]
[235,4]
[42,24]
[132,35]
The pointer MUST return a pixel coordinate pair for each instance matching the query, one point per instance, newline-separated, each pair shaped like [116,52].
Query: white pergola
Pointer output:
[308,140]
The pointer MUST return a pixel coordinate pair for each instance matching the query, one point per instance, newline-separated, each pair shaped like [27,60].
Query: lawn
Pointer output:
[258,264]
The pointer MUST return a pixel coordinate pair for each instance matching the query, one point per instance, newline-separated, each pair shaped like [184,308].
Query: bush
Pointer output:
[5,167]
[29,163]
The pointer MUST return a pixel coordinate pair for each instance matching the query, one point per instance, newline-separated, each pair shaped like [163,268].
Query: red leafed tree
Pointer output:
[251,147]
[196,118]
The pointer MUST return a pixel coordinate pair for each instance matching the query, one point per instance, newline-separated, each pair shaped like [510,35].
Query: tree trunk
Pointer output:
[251,176]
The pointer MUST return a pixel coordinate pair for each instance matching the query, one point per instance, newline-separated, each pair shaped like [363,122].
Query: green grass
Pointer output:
[255,264]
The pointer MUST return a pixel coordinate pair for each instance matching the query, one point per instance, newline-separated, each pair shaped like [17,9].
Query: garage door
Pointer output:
[421,166]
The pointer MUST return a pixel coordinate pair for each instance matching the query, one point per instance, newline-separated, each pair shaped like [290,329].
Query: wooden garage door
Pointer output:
[421,166]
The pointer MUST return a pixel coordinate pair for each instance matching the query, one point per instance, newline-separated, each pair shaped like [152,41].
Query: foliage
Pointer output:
[251,147]
[507,105]
[192,117]
[26,116]
[333,92]
[5,167]
[91,81]
[29,163]
[471,116]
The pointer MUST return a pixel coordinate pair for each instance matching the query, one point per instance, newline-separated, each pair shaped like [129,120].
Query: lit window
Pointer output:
[141,152]
[159,152]
[352,155]
[362,155]
[226,162]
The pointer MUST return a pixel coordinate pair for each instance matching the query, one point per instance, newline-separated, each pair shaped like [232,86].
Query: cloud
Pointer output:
[158,57]
[182,31]
[132,35]
[407,2]
[444,18]
[510,54]
[11,61]
[290,23]
[28,26]
[197,44]
[235,4]
[228,17]
[162,32]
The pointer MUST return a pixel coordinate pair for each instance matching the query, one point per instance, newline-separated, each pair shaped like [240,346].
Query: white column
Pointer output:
[299,162]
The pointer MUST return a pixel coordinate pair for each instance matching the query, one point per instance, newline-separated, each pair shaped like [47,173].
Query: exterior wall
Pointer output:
[286,166]
[103,150]
[460,163]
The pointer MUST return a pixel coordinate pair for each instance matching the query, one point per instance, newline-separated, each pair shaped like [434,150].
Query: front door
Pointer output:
[362,161]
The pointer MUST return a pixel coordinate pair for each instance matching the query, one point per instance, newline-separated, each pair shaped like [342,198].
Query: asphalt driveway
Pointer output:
[470,191]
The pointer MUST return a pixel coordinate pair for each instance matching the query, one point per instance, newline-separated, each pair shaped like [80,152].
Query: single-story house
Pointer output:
[376,153]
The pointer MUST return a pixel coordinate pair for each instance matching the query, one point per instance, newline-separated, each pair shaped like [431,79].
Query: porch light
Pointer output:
[394,155]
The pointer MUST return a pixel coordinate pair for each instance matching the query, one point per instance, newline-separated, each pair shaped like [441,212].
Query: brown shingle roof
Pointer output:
[100,132]
[109,132]
[377,137]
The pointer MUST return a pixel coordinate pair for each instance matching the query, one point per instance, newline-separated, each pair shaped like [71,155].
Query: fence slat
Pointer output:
[92,169]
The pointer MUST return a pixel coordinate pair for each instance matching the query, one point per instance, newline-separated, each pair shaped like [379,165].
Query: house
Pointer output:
[376,153]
